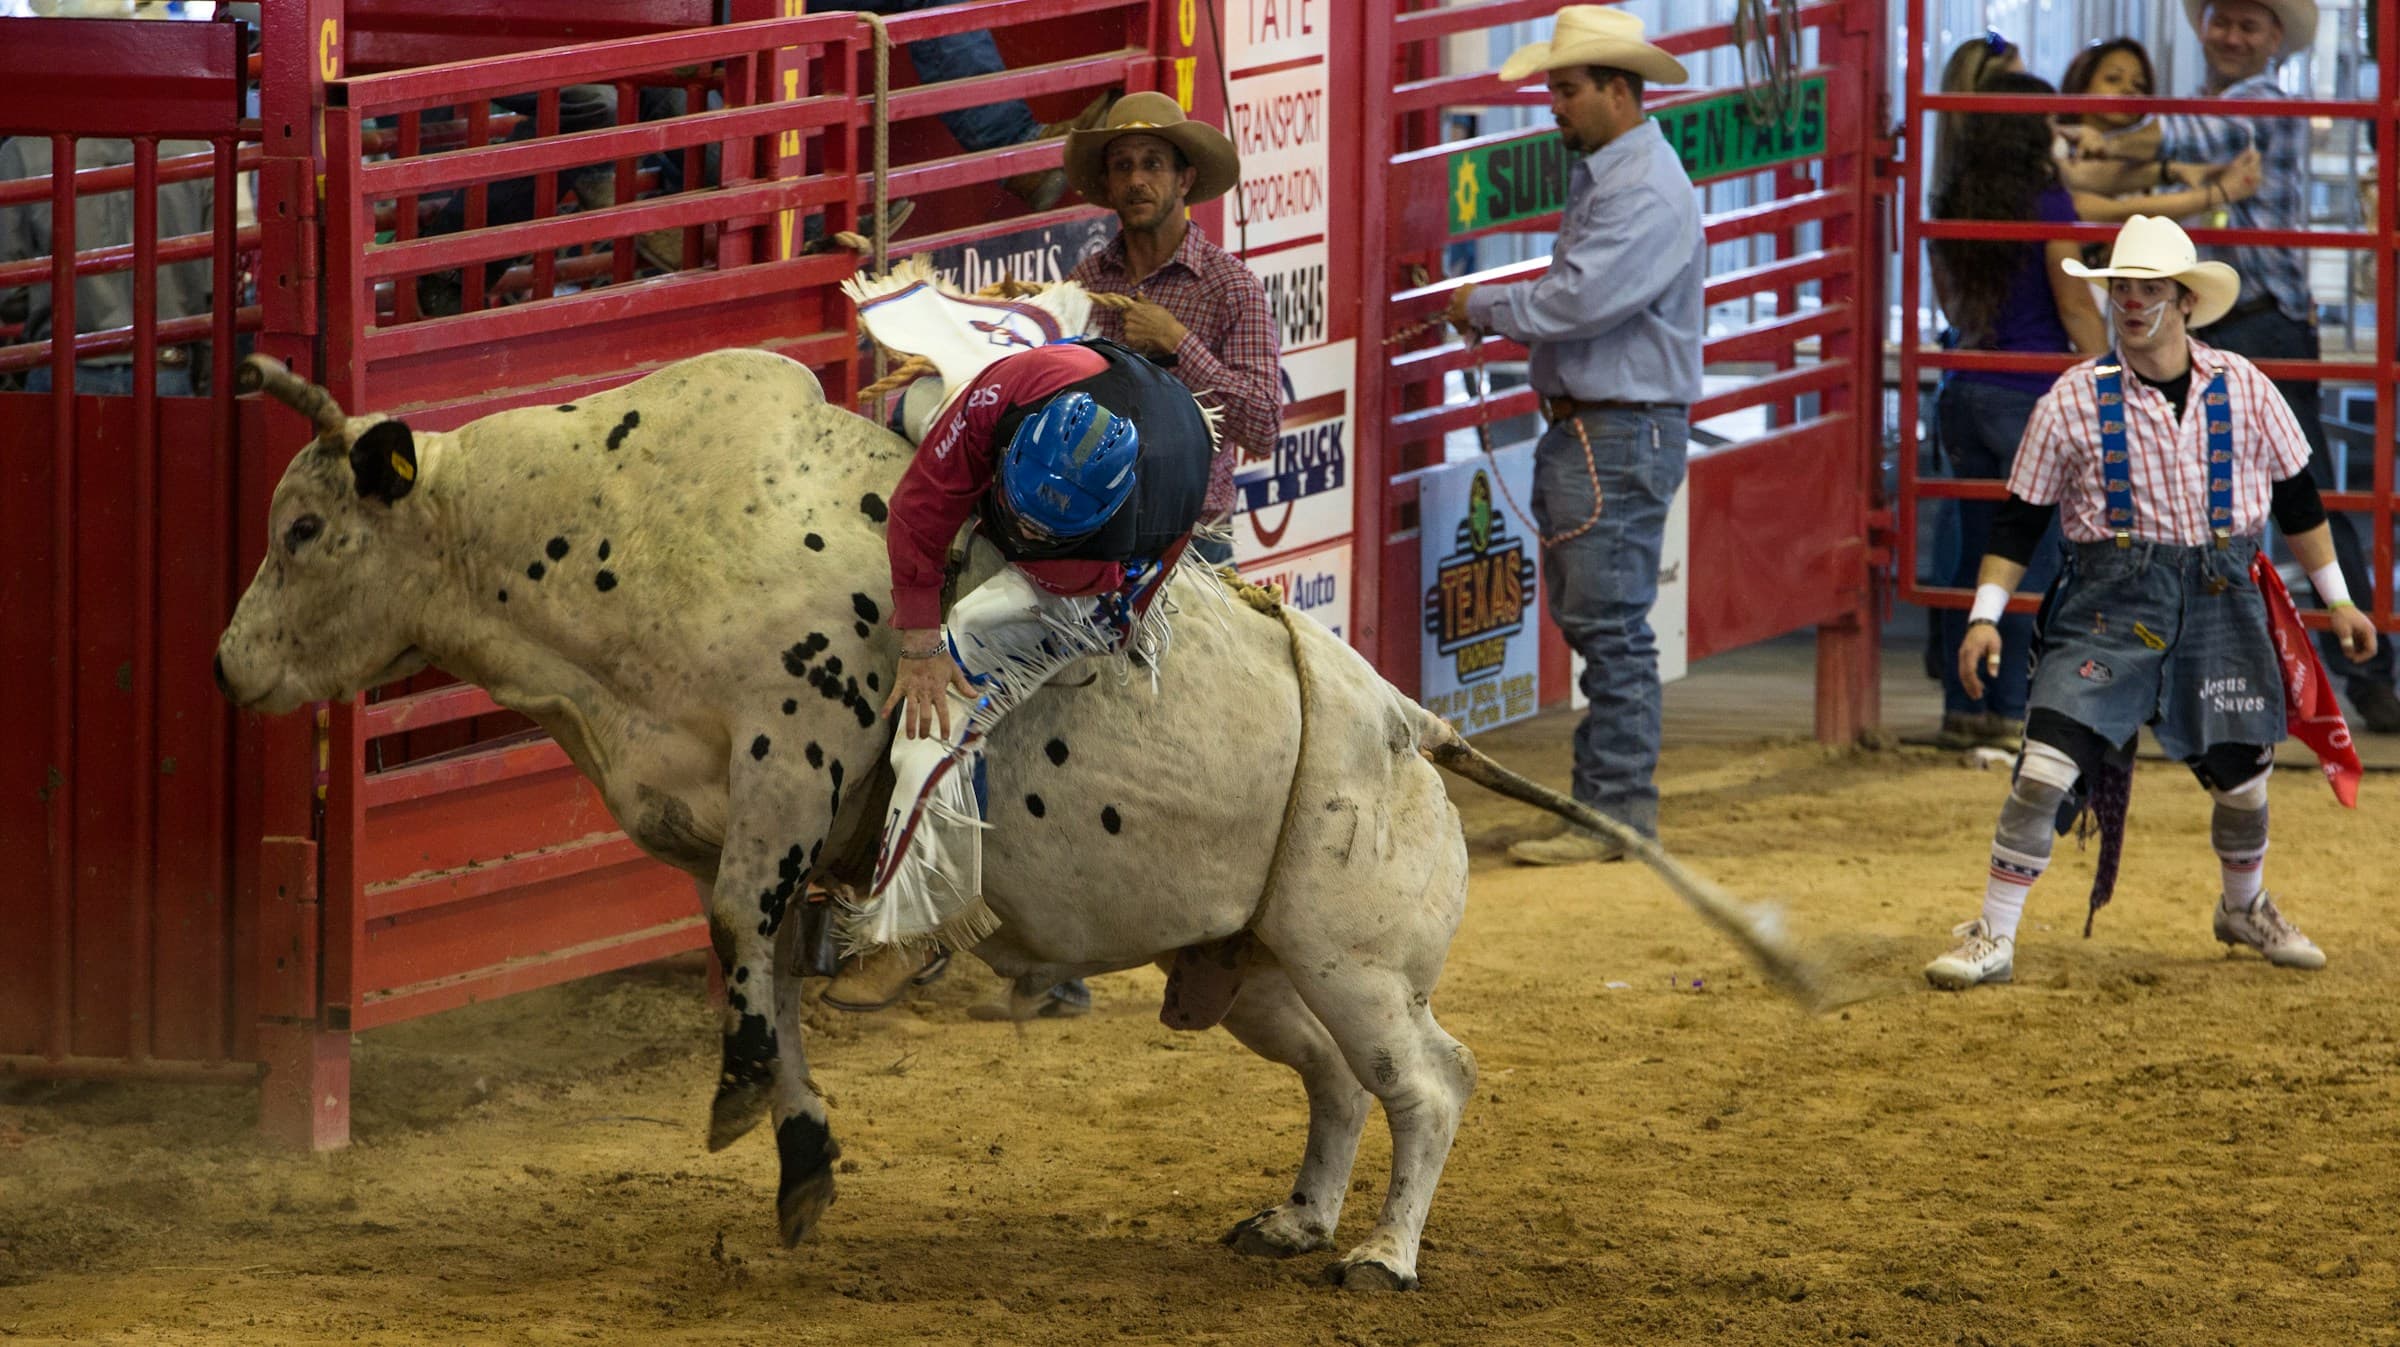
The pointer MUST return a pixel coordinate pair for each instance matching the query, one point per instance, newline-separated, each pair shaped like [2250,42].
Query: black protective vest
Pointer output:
[1170,474]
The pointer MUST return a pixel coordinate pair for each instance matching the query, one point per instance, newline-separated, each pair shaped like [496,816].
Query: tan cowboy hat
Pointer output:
[1153,114]
[1597,35]
[2298,17]
[2155,248]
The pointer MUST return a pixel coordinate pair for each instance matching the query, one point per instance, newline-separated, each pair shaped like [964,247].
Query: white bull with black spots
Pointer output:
[682,580]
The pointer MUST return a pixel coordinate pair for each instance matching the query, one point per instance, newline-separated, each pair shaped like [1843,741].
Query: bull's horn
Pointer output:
[265,373]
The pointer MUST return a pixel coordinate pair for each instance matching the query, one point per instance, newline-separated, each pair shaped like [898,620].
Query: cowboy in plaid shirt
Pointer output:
[1198,309]
[2243,41]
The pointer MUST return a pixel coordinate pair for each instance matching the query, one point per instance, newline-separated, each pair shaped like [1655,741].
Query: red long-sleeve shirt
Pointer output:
[953,471]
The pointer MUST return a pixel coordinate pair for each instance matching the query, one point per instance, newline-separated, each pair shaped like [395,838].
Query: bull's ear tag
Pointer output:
[384,460]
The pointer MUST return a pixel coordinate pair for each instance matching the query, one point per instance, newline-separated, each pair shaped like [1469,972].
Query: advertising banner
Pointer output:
[1299,497]
[1316,583]
[1482,651]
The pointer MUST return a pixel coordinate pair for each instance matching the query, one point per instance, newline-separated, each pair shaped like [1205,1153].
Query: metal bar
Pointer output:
[555,153]
[1075,73]
[119,177]
[614,303]
[448,993]
[398,897]
[119,257]
[1370,523]
[2036,232]
[142,995]
[2049,104]
[954,19]
[469,81]
[64,1067]
[62,600]
[111,340]
[545,191]
[1909,192]
[480,243]
[379,791]
[424,710]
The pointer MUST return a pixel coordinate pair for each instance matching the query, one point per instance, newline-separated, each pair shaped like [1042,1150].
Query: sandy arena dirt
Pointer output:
[2143,1141]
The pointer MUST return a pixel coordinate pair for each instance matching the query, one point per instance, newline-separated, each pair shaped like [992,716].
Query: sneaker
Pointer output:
[2001,732]
[1980,957]
[2268,931]
[2378,706]
[1567,846]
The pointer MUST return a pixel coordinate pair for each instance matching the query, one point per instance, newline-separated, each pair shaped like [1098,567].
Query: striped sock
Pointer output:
[2245,878]
[2013,873]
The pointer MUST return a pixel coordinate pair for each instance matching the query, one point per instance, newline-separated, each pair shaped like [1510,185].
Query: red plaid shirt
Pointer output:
[2058,462]
[1231,361]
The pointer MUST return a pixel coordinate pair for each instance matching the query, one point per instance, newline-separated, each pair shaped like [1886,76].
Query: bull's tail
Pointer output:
[1757,928]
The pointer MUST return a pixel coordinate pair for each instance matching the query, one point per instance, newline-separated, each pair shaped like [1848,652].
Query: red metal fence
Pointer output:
[1779,523]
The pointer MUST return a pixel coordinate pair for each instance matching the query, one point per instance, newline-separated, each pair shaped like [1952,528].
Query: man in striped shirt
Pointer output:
[2275,316]
[1197,309]
[2163,461]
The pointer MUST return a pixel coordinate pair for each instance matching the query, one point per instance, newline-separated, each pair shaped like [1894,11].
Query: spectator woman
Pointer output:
[1999,296]
[2110,190]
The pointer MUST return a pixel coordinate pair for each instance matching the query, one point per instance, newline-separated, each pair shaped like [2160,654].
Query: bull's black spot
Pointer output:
[738,1001]
[566,406]
[1035,807]
[813,849]
[867,611]
[813,542]
[741,975]
[604,549]
[833,664]
[504,596]
[535,571]
[749,1053]
[872,506]
[758,747]
[790,706]
[1299,1199]
[804,1151]
[874,684]
[557,549]
[816,755]
[605,581]
[623,429]
[1057,749]
[1111,820]
[790,873]
[862,630]
[790,868]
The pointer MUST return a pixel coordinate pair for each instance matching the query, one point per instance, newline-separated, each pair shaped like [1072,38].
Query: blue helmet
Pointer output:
[1068,468]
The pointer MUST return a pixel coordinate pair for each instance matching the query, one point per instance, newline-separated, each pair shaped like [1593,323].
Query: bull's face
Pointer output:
[331,608]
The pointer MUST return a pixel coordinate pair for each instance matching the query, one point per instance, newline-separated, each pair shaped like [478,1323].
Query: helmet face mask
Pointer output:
[1068,469]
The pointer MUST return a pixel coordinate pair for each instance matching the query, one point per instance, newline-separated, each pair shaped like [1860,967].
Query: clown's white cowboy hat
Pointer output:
[1595,35]
[2298,17]
[2155,248]
[1153,114]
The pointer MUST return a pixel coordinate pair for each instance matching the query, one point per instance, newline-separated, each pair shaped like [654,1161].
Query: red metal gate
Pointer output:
[1779,523]
[126,952]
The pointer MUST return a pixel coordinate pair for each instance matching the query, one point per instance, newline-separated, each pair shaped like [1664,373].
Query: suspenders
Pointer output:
[2116,462]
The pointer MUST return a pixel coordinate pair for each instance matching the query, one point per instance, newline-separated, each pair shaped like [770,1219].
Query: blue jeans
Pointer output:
[1980,425]
[1600,585]
[112,380]
[953,58]
[2269,335]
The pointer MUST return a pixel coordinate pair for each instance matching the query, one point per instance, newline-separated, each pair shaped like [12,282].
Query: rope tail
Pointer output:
[1757,928]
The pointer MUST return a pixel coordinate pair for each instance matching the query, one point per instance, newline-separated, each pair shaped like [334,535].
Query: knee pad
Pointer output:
[2027,821]
[2235,774]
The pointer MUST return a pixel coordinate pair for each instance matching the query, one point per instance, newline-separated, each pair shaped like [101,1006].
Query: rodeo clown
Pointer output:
[2164,459]
[1086,466]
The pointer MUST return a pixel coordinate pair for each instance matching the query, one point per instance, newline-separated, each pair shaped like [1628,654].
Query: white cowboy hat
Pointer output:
[2155,248]
[1598,35]
[2298,17]
[1153,114]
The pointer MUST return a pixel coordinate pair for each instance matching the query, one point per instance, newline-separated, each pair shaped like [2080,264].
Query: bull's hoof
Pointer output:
[1366,1274]
[737,1109]
[798,1207]
[1274,1234]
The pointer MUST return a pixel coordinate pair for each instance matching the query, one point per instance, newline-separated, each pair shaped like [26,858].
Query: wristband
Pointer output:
[936,650]
[1990,602]
[2332,590]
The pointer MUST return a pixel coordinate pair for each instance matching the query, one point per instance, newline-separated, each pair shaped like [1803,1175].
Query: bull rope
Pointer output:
[1268,601]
